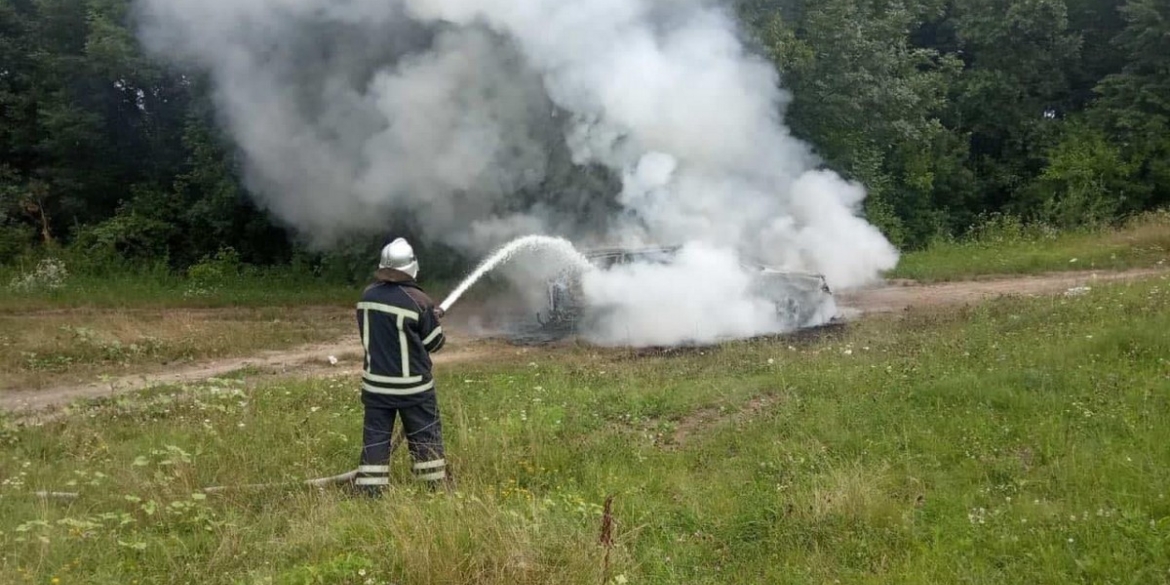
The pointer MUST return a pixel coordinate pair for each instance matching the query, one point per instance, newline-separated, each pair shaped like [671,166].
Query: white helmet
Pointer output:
[399,255]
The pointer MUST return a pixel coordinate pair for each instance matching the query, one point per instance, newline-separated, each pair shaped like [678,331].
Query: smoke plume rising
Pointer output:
[352,112]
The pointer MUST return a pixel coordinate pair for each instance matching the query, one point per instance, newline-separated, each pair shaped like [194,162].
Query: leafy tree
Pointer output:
[1134,107]
[1014,89]
[1053,110]
[1098,22]
[870,102]
[1086,182]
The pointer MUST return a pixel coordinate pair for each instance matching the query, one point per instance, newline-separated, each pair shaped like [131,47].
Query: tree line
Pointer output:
[1052,111]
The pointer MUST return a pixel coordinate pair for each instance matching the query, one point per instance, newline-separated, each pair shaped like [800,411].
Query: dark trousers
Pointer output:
[424,436]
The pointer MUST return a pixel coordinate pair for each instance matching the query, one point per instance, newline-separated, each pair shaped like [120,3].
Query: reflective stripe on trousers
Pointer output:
[434,470]
[373,475]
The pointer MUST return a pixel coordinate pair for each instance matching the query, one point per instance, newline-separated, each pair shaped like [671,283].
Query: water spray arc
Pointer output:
[560,246]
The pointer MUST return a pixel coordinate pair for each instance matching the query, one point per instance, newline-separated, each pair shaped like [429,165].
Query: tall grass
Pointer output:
[24,287]
[1017,442]
[1003,245]
[217,282]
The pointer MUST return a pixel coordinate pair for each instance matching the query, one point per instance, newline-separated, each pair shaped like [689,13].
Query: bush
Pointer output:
[207,276]
[1003,228]
[127,235]
[1087,183]
[15,240]
[49,274]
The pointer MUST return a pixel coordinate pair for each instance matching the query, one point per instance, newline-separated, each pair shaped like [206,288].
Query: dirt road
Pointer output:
[897,296]
[314,360]
[306,360]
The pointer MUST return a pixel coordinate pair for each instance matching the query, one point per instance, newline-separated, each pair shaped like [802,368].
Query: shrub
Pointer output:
[15,240]
[1087,182]
[207,276]
[126,235]
[49,274]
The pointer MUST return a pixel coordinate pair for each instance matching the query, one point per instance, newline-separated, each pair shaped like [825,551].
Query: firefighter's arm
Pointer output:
[432,331]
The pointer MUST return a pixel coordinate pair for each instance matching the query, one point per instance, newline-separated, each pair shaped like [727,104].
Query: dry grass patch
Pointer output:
[853,492]
[1150,233]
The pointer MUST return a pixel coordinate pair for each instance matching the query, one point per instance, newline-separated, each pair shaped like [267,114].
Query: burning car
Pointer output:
[802,300]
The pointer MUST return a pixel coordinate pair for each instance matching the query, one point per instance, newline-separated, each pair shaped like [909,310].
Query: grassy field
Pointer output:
[80,328]
[52,283]
[168,291]
[80,346]
[1023,441]
[58,327]
[1008,248]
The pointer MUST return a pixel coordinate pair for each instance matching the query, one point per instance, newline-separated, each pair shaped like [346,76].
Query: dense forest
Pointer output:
[1050,111]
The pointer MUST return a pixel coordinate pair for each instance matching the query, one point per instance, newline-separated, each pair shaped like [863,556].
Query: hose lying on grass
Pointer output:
[317,482]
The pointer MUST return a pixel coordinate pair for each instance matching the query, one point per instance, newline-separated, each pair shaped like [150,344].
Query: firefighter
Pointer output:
[400,328]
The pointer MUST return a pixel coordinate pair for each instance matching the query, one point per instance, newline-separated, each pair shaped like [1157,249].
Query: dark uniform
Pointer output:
[400,329]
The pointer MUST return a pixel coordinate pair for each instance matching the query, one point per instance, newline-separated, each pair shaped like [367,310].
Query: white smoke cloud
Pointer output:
[349,112]
[702,296]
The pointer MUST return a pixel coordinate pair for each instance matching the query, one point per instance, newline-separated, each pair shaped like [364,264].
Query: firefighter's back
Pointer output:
[398,330]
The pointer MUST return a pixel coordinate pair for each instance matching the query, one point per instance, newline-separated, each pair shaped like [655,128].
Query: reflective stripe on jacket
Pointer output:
[399,331]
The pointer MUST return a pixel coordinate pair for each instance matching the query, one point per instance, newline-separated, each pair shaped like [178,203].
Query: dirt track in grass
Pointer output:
[467,345]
